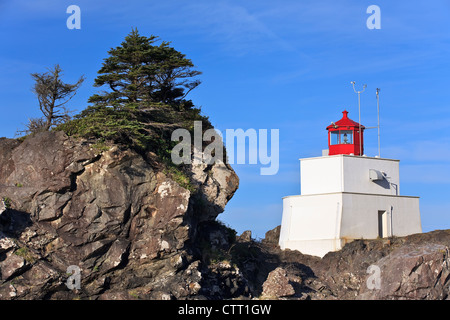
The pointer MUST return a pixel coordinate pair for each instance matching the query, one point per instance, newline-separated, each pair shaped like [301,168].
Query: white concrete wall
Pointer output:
[344,173]
[356,175]
[317,224]
[311,224]
[321,175]
[406,217]
[311,217]
[360,215]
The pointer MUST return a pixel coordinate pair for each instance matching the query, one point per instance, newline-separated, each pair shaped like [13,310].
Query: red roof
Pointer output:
[344,122]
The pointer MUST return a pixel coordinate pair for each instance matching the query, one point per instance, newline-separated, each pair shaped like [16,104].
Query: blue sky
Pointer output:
[283,65]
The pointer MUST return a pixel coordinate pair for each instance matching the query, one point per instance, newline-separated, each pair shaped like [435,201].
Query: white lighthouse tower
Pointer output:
[345,196]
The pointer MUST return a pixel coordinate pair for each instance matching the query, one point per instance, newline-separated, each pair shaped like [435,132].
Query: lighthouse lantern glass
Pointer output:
[334,137]
[341,137]
[346,137]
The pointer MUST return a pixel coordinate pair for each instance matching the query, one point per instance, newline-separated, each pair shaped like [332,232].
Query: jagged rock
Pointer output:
[116,255]
[217,183]
[412,267]
[245,236]
[6,243]
[115,295]
[277,284]
[272,236]
[7,146]
[115,214]
[224,280]
[3,206]
[12,265]
[411,272]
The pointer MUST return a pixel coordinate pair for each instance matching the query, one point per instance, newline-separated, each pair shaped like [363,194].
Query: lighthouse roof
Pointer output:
[344,122]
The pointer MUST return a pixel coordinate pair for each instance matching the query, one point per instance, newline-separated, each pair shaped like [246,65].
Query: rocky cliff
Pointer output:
[113,218]
[82,222]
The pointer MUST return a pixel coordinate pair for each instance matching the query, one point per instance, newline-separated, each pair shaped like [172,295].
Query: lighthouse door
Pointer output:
[382,224]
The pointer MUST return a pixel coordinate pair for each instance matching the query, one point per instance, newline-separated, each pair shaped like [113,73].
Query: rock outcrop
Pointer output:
[277,285]
[413,267]
[124,223]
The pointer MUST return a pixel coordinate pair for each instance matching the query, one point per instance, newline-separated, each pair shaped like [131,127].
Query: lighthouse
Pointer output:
[346,195]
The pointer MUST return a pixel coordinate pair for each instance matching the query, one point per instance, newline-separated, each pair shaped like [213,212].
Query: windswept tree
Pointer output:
[140,71]
[53,95]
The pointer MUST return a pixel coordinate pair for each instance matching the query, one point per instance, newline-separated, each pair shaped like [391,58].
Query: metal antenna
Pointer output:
[359,111]
[378,112]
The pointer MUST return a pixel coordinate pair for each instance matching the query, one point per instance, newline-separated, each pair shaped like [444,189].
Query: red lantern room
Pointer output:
[344,137]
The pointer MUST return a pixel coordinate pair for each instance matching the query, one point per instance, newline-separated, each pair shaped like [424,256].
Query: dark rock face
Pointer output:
[412,267]
[271,237]
[126,225]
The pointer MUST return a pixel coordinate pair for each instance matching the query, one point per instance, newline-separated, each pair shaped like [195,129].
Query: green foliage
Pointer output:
[7,202]
[134,128]
[145,102]
[177,175]
[100,146]
[140,71]
[134,294]
[26,254]
[108,124]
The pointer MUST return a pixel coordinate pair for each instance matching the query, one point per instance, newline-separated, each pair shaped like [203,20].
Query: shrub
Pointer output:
[105,123]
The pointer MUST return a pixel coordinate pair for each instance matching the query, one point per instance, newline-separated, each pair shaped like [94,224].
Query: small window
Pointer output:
[334,137]
[346,137]
[341,137]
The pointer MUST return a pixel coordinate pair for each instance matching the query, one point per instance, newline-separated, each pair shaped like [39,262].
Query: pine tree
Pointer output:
[140,71]
[53,94]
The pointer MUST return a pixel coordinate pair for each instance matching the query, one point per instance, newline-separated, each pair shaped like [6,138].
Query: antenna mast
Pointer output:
[378,112]
[359,111]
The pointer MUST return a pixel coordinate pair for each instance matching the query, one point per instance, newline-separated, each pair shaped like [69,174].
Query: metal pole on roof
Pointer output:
[359,111]
[378,112]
